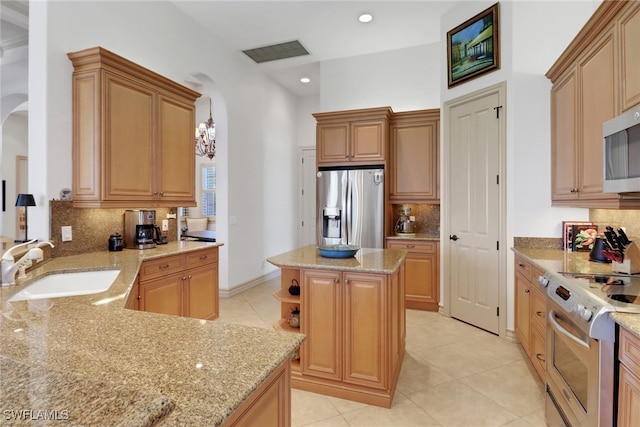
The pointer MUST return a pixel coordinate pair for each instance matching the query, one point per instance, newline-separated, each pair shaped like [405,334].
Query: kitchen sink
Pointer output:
[67,284]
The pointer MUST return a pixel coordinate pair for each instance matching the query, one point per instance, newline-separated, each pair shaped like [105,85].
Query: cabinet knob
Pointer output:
[454,237]
[139,297]
[526,291]
[162,193]
[336,280]
[575,190]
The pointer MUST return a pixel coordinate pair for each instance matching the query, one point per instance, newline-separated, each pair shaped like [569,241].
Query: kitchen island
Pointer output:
[141,367]
[352,312]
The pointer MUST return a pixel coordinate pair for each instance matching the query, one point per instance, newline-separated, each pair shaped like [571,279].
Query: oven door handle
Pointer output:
[563,331]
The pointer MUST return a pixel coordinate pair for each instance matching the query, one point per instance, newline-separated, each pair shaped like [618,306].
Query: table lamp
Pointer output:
[25,200]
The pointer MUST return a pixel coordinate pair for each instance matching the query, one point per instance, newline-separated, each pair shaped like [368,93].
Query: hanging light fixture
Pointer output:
[206,137]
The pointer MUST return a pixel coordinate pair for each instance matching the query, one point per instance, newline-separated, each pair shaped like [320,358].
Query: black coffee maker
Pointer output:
[139,229]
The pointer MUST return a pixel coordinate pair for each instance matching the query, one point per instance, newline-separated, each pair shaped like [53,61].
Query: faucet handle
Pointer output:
[8,255]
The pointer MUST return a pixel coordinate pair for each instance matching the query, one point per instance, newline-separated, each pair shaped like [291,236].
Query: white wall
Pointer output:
[13,143]
[404,79]
[257,120]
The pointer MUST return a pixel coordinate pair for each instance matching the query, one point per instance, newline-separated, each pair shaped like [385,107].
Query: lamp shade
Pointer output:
[25,200]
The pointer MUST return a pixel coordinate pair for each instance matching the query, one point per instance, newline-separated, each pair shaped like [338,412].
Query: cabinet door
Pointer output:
[422,283]
[628,398]
[523,310]
[414,153]
[201,292]
[630,56]
[367,141]
[564,149]
[366,321]
[128,168]
[597,75]
[321,321]
[162,295]
[175,158]
[333,142]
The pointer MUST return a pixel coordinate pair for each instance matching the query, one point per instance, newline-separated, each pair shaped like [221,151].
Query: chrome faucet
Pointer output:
[10,267]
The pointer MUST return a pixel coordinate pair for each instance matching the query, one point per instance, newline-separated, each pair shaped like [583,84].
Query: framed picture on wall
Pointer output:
[473,47]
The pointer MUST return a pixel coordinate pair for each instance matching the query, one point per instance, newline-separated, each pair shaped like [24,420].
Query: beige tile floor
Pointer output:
[453,375]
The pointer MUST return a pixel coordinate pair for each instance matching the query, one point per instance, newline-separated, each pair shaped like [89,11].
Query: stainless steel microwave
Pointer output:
[621,153]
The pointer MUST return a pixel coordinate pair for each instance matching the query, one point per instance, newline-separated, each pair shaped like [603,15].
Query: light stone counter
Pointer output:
[366,260]
[147,362]
[416,236]
[577,262]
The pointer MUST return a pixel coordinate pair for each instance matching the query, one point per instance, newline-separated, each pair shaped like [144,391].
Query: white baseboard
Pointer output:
[227,293]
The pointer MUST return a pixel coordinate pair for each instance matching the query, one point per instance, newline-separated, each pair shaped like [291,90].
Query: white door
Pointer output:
[307,228]
[474,208]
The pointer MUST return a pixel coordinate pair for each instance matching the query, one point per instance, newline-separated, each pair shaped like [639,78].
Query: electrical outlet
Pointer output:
[171,216]
[165,225]
[66,233]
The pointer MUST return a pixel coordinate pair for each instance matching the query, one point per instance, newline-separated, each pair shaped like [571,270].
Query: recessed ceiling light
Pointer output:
[365,17]
[305,79]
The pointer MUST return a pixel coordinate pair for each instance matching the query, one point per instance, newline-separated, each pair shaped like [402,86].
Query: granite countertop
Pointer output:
[416,236]
[366,260]
[92,345]
[577,262]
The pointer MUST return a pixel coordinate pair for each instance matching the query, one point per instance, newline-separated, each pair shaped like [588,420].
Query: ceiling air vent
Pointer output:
[276,51]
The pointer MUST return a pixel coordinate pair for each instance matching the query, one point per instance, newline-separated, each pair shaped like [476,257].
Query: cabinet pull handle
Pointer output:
[411,246]
[540,314]
[163,266]
[203,256]
[540,357]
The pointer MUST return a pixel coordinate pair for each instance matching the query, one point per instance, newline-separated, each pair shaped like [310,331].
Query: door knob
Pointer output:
[454,237]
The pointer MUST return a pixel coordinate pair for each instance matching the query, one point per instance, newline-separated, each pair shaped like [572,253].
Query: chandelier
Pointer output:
[206,137]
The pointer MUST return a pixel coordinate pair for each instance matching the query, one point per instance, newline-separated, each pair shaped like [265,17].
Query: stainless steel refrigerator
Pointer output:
[350,204]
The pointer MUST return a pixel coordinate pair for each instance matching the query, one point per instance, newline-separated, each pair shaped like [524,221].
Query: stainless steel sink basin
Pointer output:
[67,284]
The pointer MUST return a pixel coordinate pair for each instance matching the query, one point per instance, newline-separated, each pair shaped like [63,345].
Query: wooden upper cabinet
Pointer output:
[356,136]
[629,35]
[592,82]
[413,152]
[564,142]
[132,134]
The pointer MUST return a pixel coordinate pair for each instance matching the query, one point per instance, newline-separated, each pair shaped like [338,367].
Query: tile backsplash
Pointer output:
[629,219]
[91,228]
[427,217]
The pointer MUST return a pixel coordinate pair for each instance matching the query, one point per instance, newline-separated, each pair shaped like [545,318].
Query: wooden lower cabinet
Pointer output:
[269,405]
[181,285]
[422,270]
[629,379]
[355,327]
[531,313]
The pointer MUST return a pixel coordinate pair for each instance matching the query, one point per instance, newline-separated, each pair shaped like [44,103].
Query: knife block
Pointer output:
[631,262]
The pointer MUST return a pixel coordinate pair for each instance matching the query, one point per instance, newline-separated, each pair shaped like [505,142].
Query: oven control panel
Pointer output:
[588,312]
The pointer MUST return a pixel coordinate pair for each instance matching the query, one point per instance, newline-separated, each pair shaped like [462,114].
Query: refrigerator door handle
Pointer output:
[348,226]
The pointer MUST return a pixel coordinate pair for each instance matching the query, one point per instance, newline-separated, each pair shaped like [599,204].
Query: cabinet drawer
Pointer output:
[203,257]
[161,267]
[523,267]
[629,350]
[538,310]
[413,245]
